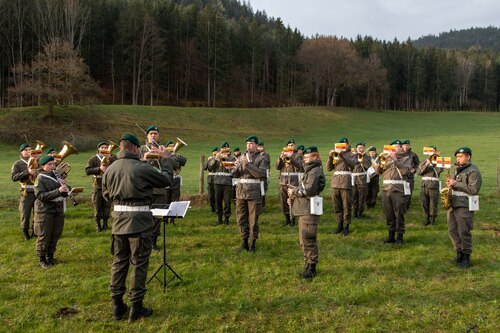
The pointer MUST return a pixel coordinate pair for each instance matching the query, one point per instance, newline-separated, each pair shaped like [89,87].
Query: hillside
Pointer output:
[479,38]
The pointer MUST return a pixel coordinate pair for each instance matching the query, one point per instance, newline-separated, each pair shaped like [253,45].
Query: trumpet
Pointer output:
[382,158]
[360,157]
[287,152]
[433,158]
[335,154]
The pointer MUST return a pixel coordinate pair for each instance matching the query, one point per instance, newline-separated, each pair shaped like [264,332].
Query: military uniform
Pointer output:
[210,182]
[130,184]
[415,161]
[174,190]
[373,185]
[342,188]
[102,208]
[312,183]
[429,190]
[360,185]
[223,183]
[289,176]
[268,173]
[394,201]
[252,171]
[460,217]
[19,173]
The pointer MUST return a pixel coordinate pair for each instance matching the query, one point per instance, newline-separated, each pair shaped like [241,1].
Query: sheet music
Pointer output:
[178,208]
[159,212]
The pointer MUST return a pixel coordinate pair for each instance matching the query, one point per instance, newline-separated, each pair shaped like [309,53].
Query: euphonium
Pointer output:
[40,145]
[107,153]
[178,145]
[67,150]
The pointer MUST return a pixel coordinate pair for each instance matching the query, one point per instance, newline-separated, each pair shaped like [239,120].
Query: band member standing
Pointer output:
[373,185]
[429,191]
[342,163]
[465,185]
[223,181]
[252,171]
[312,183]
[210,180]
[395,189]
[96,168]
[360,180]
[50,193]
[129,184]
[290,166]
[261,150]
[415,161]
[22,173]
[237,155]
[174,190]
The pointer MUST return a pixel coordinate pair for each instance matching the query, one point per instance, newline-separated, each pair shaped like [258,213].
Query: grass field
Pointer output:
[362,285]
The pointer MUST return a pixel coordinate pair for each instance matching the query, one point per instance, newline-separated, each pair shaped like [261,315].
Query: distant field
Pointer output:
[363,285]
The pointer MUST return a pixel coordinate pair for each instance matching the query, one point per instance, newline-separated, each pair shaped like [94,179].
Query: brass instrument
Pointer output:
[178,145]
[446,195]
[66,151]
[382,159]
[33,161]
[107,153]
[40,145]
[360,157]
[433,158]
[287,151]
[336,156]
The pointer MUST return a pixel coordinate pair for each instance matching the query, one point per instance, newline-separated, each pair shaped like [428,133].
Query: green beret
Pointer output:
[224,145]
[24,146]
[152,128]
[361,143]
[406,142]
[102,143]
[291,140]
[463,150]
[252,138]
[310,150]
[132,138]
[169,142]
[44,160]
[300,147]
[236,149]
[343,140]
[51,149]
[215,149]
[372,148]
[434,147]
[396,142]
[261,143]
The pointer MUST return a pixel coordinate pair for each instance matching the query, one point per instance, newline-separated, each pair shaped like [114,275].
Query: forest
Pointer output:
[223,53]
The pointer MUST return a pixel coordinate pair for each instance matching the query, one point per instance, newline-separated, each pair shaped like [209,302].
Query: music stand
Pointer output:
[176,209]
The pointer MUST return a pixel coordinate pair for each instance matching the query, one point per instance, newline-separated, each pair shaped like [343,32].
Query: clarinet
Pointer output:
[70,195]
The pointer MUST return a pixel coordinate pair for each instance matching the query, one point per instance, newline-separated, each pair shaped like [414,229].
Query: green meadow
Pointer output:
[362,285]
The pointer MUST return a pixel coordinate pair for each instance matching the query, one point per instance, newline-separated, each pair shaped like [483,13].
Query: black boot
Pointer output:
[51,260]
[119,308]
[465,263]
[310,272]
[458,258]
[43,262]
[105,224]
[243,246]
[137,311]
[98,226]
[33,232]
[219,219]
[346,230]
[339,229]
[287,220]
[355,213]
[26,234]
[292,221]
[252,246]
[226,220]
[154,240]
[399,240]
[427,221]
[433,220]
[390,238]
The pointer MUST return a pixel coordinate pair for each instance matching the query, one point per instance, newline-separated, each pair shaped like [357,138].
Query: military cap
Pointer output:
[261,143]
[372,148]
[310,150]
[169,142]
[102,143]
[361,143]
[343,140]
[291,140]
[237,149]
[463,150]
[252,138]
[433,147]
[299,147]
[51,149]
[225,144]
[44,160]
[132,138]
[152,128]
[405,142]
[24,146]
[215,149]
[396,142]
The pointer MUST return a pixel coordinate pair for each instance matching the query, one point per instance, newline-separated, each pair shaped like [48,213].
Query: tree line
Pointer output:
[221,53]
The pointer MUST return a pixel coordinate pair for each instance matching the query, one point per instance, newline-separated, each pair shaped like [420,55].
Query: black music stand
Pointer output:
[176,209]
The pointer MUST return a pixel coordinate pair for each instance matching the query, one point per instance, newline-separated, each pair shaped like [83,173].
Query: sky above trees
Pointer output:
[382,19]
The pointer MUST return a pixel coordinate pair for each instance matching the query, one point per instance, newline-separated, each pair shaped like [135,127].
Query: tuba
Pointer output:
[178,145]
[33,160]
[66,151]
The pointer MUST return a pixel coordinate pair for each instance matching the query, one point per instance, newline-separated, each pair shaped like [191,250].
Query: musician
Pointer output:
[415,161]
[290,166]
[154,154]
[261,150]
[430,187]
[223,182]
[236,152]
[51,151]
[252,171]
[360,180]
[373,185]
[50,193]
[130,184]
[300,150]
[22,173]
[95,168]
[210,180]
[465,185]
[178,161]
[342,185]
[312,182]
[395,189]
[237,155]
